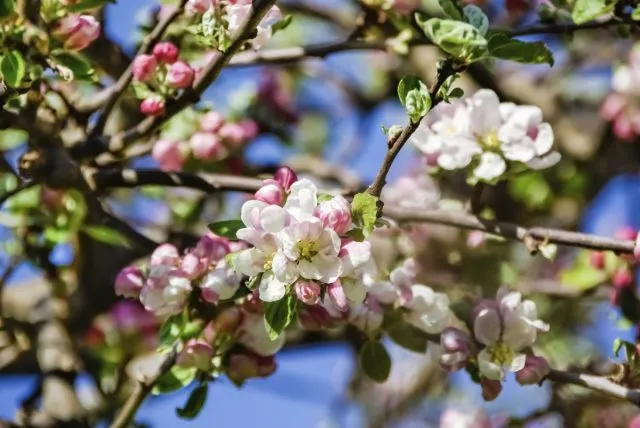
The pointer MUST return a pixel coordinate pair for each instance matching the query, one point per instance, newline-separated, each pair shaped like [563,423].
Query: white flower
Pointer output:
[416,191]
[505,327]
[220,284]
[429,311]
[491,166]
[252,333]
[396,289]
[302,200]
[166,296]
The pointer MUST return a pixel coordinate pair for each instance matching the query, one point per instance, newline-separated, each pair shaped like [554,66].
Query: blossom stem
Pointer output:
[596,383]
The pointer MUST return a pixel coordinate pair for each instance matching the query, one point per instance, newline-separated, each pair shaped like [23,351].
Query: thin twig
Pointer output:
[596,383]
[125,79]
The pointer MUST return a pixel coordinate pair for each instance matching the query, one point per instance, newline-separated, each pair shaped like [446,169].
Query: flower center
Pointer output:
[268,262]
[501,353]
[307,249]
[490,141]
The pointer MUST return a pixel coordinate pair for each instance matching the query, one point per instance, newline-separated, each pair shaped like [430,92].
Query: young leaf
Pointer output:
[588,10]
[278,315]
[282,24]
[171,330]
[7,7]
[451,8]
[13,68]
[364,211]
[176,378]
[414,96]
[504,47]
[375,361]
[72,66]
[106,235]
[409,337]
[227,228]
[582,277]
[195,403]
[476,17]
[635,15]
[459,39]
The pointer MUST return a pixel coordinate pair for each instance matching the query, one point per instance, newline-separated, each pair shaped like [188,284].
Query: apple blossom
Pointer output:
[180,75]
[286,177]
[129,282]
[220,283]
[167,296]
[452,418]
[144,66]
[200,6]
[165,254]
[505,327]
[271,193]
[211,121]
[168,154]
[456,349]
[534,371]
[212,248]
[194,266]
[428,310]
[246,365]
[252,333]
[166,52]
[308,292]
[367,316]
[206,146]
[196,353]
[335,214]
[152,106]
[77,31]
[414,191]
[232,133]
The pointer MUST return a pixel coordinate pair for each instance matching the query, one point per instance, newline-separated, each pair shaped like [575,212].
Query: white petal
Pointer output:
[271,290]
[250,212]
[309,270]
[249,262]
[518,363]
[521,151]
[544,162]
[284,269]
[544,139]
[490,167]
[355,291]
[273,218]
[484,111]
[486,326]
[488,368]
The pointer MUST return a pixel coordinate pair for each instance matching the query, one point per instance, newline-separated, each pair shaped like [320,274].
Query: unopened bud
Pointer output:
[534,371]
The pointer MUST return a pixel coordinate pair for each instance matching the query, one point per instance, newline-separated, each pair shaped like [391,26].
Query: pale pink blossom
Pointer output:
[335,214]
[168,154]
[200,6]
[308,292]
[194,266]
[452,418]
[77,31]
[167,295]
[165,254]
[456,349]
[211,122]
[207,146]
[271,192]
[220,283]
[129,282]
[144,67]
[233,134]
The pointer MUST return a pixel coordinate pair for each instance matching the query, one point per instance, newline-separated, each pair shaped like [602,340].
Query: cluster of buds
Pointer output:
[167,282]
[164,73]
[214,139]
[621,106]
[77,31]
[504,330]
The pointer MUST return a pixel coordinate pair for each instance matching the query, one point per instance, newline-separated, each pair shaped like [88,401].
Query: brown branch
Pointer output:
[596,383]
[125,79]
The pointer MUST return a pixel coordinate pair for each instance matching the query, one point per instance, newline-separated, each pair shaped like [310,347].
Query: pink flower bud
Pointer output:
[77,31]
[196,353]
[286,177]
[308,292]
[144,66]
[168,155]
[232,133]
[165,254]
[199,6]
[534,371]
[596,260]
[211,122]
[248,365]
[152,106]
[456,349]
[129,316]
[335,214]
[129,282]
[622,278]
[166,52]
[194,266]
[612,106]
[491,389]
[206,146]
[271,192]
[249,128]
[180,75]
[338,297]
[431,159]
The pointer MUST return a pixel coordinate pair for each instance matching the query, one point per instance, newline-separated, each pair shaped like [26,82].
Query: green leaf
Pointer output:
[375,361]
[409,337]
[476,17]
[87,5]
[504,47]
[171,330]
[175,379]
[588,10]
[278,315]
[13,68]
[72,66]
[106,235]
[461,40]
[356,234]
[364,211]
[583,277]
[456,93]
[12,138]
[451,8]
[141,90]
[7,7]
[414,96]
[282,24]
[635,15]
[195,403]
[227,228]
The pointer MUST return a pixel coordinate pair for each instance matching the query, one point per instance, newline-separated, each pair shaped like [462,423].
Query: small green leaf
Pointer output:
[7,7]
[461,40]
[141,90]
[195,403]
[451,8]
[171,330]
[356,234]
[504,47]
[409,337]
[364,211]
[282,24]
[13,68]
[12,138]
[476,17]
[227,228]
[72,66]
[87,5]
[106,235]
[278,315]
[635,15]
[617,345]
[456,93]
[588,10]
[254,282]
[583,277]
[175,379]
[375,361]
[414,96]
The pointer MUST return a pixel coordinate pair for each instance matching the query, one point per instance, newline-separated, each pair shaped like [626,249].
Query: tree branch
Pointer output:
[596,383]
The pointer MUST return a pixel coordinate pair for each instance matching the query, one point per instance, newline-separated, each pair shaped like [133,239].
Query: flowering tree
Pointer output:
[215,289]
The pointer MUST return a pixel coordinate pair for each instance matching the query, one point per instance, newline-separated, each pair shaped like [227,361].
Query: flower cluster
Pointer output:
[485,137]
[503,331]
[214,139]
[170,278]
[77,31]
[300,243]
[622,106]
[159,75]
[222,21]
